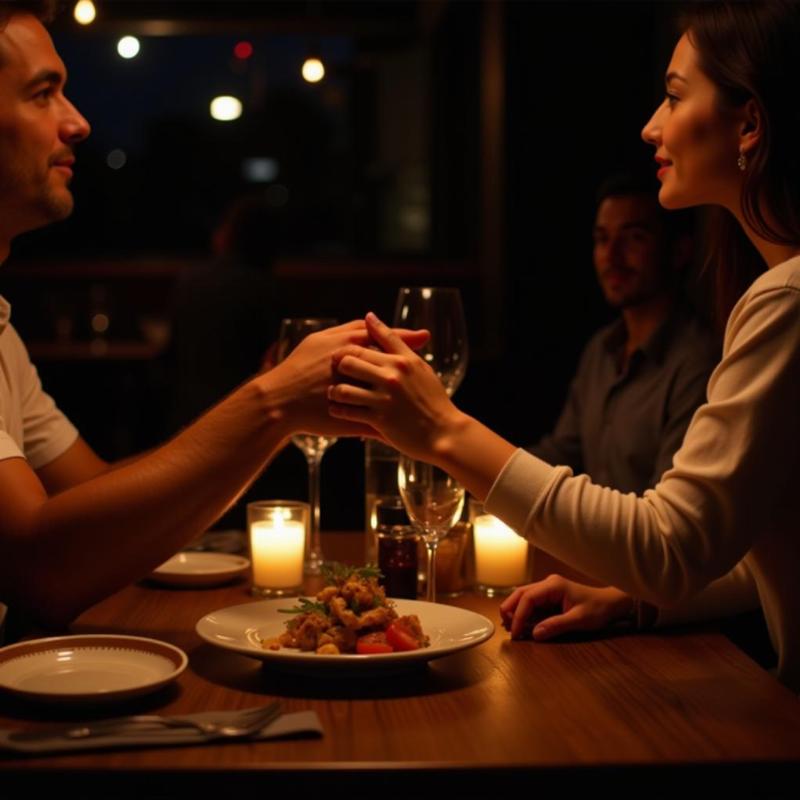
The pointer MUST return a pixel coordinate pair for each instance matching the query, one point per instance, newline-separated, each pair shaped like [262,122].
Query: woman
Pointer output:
[719,534]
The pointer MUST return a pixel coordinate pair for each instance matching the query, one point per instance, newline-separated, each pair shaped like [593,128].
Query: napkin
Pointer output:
[298,723]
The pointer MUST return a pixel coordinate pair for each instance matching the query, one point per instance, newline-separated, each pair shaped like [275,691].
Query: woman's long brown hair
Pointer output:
[752,50]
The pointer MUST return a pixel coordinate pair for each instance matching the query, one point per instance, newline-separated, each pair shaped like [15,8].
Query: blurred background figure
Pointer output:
[226,313]
[639,379]
[225,323]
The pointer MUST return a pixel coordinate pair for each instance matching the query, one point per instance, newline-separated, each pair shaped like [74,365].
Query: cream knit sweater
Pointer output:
[720,533]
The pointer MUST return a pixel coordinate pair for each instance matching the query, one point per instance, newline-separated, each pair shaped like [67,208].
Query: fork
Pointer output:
[246,723]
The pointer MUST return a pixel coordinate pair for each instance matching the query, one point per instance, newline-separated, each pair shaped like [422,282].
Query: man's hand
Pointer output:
[299,385]
[392,390]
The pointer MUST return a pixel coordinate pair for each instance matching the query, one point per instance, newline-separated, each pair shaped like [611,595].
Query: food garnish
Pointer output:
[350,615]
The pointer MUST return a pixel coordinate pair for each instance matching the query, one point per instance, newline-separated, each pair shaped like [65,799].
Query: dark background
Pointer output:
[451,143]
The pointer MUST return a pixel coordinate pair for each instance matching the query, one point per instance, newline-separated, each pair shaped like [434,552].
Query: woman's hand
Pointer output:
[297,387]
[573,606]
[395,392]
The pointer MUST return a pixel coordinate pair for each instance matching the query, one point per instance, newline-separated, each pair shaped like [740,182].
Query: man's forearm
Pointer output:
[91,540]
[88,537]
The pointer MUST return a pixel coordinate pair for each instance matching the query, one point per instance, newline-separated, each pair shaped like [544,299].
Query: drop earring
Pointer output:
[741,162]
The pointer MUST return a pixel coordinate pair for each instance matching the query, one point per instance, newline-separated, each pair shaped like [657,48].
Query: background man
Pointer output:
[640,379]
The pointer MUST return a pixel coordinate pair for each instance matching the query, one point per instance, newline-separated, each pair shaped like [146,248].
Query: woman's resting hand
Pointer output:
[573,607]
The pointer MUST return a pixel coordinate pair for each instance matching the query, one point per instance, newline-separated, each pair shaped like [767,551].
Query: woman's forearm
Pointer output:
[472,453]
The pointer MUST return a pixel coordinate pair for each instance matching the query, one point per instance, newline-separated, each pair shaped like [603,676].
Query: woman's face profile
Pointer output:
[697,144]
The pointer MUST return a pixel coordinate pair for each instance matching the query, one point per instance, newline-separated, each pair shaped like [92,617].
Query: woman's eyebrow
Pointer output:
[674,76]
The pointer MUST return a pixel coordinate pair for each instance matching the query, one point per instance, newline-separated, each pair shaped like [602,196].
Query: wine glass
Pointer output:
[441,312]
[433,501]
[293,331]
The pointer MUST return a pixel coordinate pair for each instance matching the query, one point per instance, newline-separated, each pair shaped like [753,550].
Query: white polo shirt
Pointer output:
[30,424]
[31,427]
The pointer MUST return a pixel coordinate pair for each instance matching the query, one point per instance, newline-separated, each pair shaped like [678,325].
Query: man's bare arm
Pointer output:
[63,552]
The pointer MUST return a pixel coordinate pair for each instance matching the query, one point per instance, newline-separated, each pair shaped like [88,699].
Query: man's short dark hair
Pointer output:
[627,183]
[44,10]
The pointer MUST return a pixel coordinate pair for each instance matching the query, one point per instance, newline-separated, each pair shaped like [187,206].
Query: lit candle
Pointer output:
[501,556]
[276,548]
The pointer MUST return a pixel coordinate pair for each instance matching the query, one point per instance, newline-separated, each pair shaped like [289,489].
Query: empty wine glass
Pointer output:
[313,447]
[433,501]
[441,312]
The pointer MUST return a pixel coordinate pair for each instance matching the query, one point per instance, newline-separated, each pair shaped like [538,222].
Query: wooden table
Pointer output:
[641,715]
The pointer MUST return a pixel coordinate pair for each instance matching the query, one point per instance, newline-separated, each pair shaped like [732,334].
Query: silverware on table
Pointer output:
[234,726]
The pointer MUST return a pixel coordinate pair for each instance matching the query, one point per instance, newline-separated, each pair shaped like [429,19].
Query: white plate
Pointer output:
[200,569]
[242,629]
[88,668]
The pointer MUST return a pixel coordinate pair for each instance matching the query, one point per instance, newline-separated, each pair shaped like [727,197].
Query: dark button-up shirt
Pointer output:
[622,425]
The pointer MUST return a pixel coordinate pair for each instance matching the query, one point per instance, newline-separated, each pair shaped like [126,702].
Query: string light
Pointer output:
[84,12]
[313,70]
[226,108]
[128,47]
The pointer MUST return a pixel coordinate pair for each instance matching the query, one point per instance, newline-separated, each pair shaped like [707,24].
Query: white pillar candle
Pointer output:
[276,548]
[501,556]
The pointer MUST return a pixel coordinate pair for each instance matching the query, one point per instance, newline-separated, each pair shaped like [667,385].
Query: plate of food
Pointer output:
[349,627]
[200,569]
[88,668]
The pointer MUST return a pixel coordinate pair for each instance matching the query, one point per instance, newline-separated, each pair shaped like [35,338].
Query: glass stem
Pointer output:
[314,552]
[430,595]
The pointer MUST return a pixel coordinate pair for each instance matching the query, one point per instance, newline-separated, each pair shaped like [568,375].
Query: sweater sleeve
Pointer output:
[733,593]
[688,393]
[702,517]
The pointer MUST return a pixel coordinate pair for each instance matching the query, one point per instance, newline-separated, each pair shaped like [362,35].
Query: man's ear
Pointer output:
[751,128]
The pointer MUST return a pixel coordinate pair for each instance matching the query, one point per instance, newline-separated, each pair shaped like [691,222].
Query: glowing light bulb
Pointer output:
[84,12]
[128,47]
[226,108]
[313,70]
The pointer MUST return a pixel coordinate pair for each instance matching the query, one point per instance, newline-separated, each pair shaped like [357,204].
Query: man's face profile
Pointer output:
[38,129]
[629,250]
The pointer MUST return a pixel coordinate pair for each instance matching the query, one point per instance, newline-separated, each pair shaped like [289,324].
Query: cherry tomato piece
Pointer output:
[372,644]
[400,637]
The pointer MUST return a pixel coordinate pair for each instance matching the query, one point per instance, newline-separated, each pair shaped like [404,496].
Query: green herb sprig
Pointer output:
[306,606]
[336,574]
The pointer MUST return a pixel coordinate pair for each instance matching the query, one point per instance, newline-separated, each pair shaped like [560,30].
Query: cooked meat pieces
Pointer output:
[362,594]
[379,618]
[308,629]
[341,614]
[344,639]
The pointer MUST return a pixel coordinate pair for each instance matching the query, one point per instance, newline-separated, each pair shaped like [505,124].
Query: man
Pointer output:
[640,379]
[73,528]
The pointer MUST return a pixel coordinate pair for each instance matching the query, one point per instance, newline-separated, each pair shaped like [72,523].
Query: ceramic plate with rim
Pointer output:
[90,668]
[243,628]
[200,569]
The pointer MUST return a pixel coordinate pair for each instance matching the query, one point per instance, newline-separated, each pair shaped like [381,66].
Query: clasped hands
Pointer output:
[394,392]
